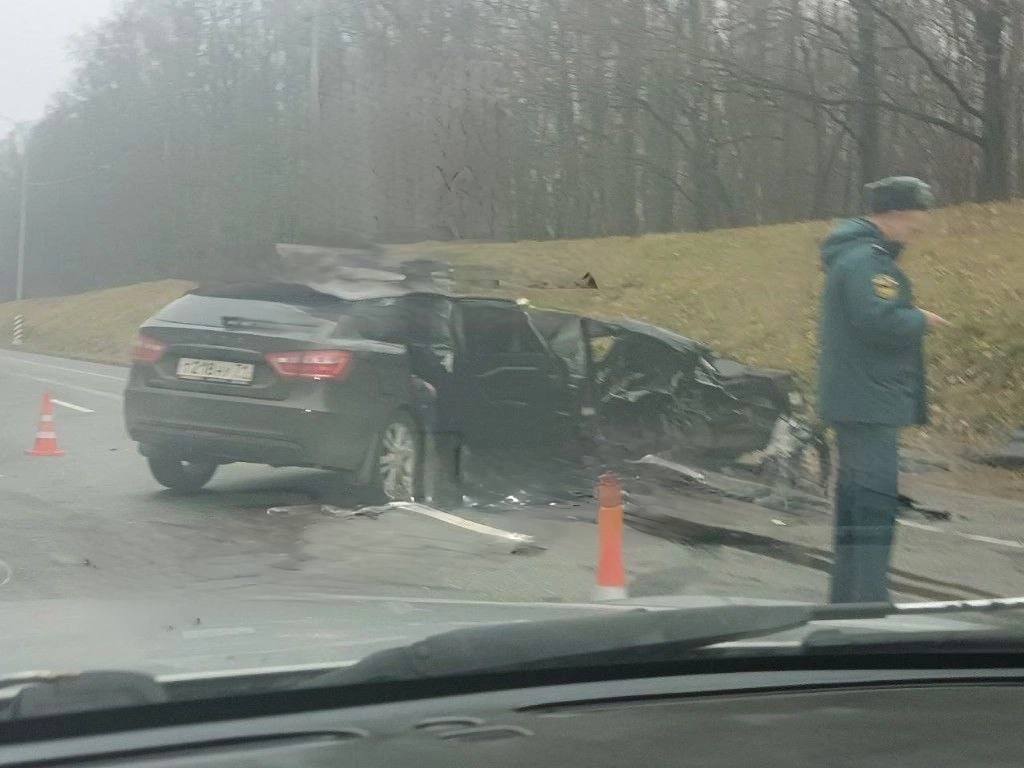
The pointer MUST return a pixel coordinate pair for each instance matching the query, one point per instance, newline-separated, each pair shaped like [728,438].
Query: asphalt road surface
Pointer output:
[101,567]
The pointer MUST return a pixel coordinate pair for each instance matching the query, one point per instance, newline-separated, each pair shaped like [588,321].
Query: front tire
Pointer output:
[181,476]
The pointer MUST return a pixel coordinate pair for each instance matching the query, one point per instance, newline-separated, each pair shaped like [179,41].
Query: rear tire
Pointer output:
[397,471]
[181,476]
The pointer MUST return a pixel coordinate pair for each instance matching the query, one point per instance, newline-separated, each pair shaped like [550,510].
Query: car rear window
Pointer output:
[285,293]
[421,319]
[252,306]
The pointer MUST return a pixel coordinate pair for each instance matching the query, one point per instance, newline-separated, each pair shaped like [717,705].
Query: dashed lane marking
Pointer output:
[55,383]
[66,369]
[969,536]
[921,526]
[72,406]
[989,540]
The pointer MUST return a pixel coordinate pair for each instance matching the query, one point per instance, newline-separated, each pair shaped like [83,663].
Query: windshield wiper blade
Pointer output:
[632,636]
[44,694]
[593,639]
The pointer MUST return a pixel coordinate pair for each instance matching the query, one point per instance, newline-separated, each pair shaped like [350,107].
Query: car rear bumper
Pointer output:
[156,439]
[227,429]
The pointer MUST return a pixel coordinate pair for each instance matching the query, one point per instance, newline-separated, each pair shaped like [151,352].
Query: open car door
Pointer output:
[515,392]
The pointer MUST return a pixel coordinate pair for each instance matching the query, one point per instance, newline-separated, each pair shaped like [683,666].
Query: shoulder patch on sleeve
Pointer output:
[886,287]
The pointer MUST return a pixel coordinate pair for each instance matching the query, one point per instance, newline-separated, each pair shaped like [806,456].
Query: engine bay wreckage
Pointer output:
[633,389]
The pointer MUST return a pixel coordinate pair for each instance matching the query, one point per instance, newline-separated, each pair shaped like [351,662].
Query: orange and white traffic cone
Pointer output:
[46,436]
[611,572]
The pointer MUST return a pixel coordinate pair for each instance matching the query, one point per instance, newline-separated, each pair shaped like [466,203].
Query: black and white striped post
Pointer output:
[18,330]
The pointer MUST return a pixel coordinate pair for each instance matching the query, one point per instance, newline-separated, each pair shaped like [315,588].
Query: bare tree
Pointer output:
[223,126]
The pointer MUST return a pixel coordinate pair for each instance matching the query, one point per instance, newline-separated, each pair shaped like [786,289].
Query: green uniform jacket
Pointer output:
[871,368]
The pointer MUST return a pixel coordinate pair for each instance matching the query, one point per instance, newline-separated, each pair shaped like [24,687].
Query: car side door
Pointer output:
[515,391]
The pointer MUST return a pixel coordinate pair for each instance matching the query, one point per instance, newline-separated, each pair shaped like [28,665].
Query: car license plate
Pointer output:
[215,370]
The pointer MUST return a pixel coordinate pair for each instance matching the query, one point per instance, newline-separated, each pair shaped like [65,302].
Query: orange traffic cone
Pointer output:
[46,437]
[611,572]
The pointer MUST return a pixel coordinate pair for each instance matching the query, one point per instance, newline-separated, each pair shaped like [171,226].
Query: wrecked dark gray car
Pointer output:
[384,375]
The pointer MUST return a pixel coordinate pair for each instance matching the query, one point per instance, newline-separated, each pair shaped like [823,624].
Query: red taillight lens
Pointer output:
[146,349]
[326,364]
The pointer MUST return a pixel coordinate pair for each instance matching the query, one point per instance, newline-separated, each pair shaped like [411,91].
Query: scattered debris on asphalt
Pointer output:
[933,514]
[528,549]
[291,511]
[373,513]
[672,467]
[777,496]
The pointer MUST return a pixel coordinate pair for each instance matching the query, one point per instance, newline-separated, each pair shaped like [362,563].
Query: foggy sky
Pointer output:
[34,61]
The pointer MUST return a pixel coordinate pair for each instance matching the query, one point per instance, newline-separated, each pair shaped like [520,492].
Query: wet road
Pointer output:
[91,536]
[101,567]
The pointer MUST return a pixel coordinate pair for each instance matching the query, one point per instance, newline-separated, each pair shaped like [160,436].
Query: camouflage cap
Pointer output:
[898,193]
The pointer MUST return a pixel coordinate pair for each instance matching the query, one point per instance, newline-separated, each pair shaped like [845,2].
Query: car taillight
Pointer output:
[146,349]
[325,364]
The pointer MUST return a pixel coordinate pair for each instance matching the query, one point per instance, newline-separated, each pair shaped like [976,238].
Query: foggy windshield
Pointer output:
[322,322]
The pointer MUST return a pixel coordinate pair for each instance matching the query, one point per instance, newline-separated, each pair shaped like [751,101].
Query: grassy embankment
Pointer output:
[751,293]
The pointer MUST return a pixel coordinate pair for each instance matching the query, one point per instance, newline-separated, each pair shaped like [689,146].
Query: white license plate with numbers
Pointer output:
[215,370]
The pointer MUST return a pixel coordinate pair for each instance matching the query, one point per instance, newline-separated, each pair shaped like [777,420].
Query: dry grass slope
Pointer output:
[99,325]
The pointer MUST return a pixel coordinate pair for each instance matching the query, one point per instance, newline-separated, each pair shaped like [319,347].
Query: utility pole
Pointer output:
[22,142]
[314,68]
[19,290]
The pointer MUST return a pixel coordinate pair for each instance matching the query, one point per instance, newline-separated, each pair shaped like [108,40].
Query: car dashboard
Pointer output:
[921,717]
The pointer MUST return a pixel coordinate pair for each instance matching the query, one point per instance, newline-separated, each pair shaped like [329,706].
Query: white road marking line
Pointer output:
[54,382]
[461,522]
[990,540]
[969,536]
[66,369]
[6,572]
[921,526]
[72,406]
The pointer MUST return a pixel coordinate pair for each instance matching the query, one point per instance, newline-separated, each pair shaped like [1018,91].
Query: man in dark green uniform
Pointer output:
[872,376]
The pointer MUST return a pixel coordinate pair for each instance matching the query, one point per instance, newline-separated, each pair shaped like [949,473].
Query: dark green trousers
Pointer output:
[867,504]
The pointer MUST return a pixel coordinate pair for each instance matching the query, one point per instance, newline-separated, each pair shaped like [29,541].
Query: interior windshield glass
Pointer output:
[328,326]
